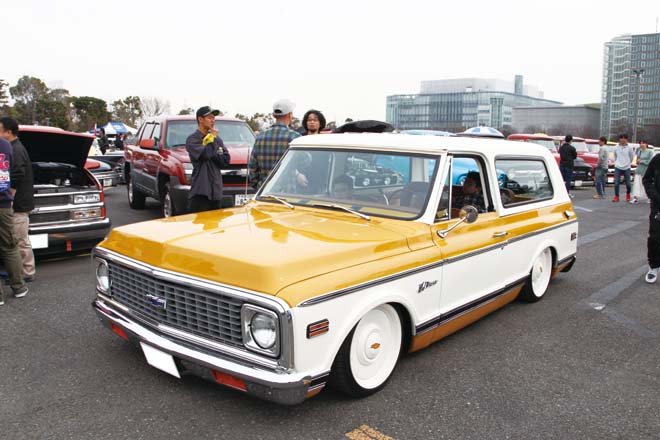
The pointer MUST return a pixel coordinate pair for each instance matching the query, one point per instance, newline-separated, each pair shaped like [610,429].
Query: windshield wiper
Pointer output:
[279,199]
[342,208]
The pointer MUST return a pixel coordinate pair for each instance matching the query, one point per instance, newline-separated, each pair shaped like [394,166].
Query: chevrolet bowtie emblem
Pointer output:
[156,301]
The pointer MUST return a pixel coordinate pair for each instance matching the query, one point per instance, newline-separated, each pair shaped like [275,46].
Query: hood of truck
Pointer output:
[49,144]
[262,247]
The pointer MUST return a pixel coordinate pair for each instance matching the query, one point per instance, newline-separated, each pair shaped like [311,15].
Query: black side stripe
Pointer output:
[387,279]
[445,317]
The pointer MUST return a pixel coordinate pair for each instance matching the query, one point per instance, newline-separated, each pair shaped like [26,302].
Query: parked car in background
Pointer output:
[300,289]
[69,212]
[158,165]
[583,173]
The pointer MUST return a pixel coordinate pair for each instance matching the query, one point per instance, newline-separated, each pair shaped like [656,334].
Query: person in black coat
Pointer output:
[209,156]
[567,155]
[651,182]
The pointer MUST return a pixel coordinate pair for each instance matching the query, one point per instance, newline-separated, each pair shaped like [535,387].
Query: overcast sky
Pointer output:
[342,57]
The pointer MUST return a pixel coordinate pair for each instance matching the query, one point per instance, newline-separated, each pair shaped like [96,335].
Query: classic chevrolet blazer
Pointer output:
[325,280]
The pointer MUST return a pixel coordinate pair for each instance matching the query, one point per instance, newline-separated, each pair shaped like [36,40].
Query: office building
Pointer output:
[631,85]
[457,104]
[580,120]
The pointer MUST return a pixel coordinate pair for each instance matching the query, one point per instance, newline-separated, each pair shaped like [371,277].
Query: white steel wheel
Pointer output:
[539,277]
[369,354]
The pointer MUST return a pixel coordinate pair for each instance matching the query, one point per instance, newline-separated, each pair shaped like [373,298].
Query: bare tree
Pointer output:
[154,106]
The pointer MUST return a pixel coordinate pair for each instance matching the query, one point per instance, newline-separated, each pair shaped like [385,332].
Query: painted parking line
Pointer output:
[606,232]
[599,301]
[580,208]
[366,432]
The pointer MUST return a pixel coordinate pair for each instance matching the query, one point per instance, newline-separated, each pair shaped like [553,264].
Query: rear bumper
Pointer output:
[287,388]
[70,238]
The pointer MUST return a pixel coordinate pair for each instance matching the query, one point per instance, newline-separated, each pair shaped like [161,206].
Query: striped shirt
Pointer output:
[269,146]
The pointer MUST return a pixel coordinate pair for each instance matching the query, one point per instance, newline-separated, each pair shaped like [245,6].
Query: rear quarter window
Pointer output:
[523,181]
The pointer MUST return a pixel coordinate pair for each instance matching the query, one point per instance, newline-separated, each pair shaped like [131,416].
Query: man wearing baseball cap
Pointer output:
[208,155]
[271,144]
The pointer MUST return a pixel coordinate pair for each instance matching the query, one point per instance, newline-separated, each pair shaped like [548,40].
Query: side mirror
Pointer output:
[468,214]
[147,143]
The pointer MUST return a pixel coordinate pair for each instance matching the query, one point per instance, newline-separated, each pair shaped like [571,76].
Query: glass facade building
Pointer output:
[631,83]
[459,109]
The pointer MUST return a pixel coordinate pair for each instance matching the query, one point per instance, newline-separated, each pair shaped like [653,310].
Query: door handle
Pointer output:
[500,234]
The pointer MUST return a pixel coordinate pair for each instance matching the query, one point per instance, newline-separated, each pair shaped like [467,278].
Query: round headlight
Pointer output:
[264,330]
[366,181]
[102,276]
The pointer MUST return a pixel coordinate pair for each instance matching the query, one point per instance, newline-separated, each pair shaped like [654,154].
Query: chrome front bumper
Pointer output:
[283,387]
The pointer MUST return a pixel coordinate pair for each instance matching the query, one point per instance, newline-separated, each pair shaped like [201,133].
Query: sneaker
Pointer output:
[634,200]
[627,197]
[597,197]
[571,195]
[20,293]
[615,199]
[652,275]
[2,300]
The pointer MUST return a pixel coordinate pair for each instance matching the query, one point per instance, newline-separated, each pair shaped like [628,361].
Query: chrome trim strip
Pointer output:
[59,225]
[337,293]
[541,231]
[286,357]
[69,207]
[62,194]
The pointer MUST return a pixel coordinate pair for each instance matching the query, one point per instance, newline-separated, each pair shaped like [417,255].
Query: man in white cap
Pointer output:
[271,144]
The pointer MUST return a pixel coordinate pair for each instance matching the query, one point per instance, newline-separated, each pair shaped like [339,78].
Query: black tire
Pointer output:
[343,377]
[167,207]
[136,199]
[539,277]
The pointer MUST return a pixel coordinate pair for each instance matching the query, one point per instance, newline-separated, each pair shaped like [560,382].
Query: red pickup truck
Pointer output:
[157,163]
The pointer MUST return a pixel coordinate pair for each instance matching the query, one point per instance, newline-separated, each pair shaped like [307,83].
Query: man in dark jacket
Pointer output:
[208,155]
[651,182]
[22,184]
[567,155]
[103,141]
[8,244]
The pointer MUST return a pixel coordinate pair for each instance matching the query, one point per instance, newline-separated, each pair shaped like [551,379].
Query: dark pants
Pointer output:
[202,203]
[653,242]
[9,253]
[601,176]
[567,175]
[617,178]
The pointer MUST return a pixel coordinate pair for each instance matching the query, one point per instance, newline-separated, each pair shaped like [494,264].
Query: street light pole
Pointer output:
[638,75]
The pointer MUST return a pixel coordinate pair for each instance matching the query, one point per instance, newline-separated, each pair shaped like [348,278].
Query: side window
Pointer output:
[466,184]
[148,129]
[156,133]
[523,181]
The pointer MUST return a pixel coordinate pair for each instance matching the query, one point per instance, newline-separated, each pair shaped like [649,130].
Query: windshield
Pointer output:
[231,132]
[550,145]
[381,184]
[580,146]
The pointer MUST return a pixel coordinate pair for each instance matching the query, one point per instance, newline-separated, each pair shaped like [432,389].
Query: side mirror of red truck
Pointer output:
[147,143]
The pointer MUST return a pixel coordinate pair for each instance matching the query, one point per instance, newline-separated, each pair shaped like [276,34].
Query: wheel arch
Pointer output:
[342,323]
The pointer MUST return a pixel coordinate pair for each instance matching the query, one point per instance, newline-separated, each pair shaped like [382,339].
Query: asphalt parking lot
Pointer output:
[583,363]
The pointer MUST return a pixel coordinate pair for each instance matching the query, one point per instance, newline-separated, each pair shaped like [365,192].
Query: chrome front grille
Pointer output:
[184,307]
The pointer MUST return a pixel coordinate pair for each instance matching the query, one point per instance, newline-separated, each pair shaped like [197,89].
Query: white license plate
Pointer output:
[39,241]
[160,360]
[577,183]
[242,199]
[107,182]
[610,180]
